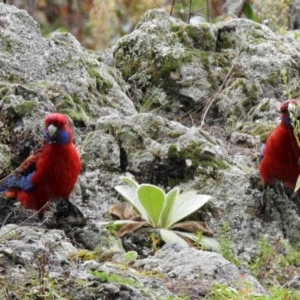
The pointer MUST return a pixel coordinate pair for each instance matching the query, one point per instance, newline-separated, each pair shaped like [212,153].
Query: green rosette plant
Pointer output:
[149,205]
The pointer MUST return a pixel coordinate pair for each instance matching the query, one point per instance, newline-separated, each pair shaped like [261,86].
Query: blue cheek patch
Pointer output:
[46,136]
[286,120]
[62,137]
[18,181]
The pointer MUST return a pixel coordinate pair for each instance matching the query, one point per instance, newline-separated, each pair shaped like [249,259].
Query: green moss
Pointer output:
[102,85]
[78,100]
[83,255]
[265,106]
[4,91]
[130,67]
[263,131]
[114,278]
[210,60]
[25,108]
[225,41]
[173,152]
[208,161]
[195,36]
[153,273]
[72,109]
[170,64]
[237,111]
[202,36]
[192,152]
[208,137]
[177,167]
[175,134]
[199,158]
[14,78]
[250,92]
[237,83]
[6,99]
[272,80]
[251,96]
[175,27]
[161,71]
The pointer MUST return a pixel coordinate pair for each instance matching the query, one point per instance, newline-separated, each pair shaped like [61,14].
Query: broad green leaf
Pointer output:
[129,193]
[169,236]
[247,10]
[208,242]
[152,198]
[130,256]
[165,217]
[297,184]
[185,204]
[130,181]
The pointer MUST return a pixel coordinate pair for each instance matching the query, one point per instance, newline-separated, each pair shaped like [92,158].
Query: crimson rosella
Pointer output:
[280,154]
[50,172]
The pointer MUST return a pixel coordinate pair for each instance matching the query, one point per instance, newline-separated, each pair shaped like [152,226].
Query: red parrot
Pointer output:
[50,172]
[280,154]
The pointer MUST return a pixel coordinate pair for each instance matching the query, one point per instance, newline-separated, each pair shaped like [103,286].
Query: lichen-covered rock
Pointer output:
[40,75]
[55,73]
[171,70]
[178,67]
[152,148]
[37,262]
[195,271]
[170,61]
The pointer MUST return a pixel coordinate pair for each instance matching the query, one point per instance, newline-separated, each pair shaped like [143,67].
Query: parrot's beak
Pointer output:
[52,130]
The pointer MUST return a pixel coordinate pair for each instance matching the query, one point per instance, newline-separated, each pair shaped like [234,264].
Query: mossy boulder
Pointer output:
[172,55]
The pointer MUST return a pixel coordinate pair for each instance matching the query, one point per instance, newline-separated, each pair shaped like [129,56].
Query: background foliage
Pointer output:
[98,24]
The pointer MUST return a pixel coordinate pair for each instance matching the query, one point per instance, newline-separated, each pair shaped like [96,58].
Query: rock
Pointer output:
[66,77]
[246,139]
[172,72]
[293,283]
[197,270]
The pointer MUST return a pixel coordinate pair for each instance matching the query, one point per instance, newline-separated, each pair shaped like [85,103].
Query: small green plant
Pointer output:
[275,263]
[225,247]
[286,88]
[163,211]
[155,240]
[261,265]
[224,292]
[296,35]
[114,278]
[221,291]
[130,256]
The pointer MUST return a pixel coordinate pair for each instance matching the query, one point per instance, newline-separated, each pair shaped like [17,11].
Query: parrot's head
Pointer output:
[289,110]
[57,129]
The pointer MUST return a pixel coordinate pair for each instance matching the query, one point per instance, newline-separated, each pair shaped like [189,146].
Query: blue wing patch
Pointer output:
[262,148]
[17,181]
